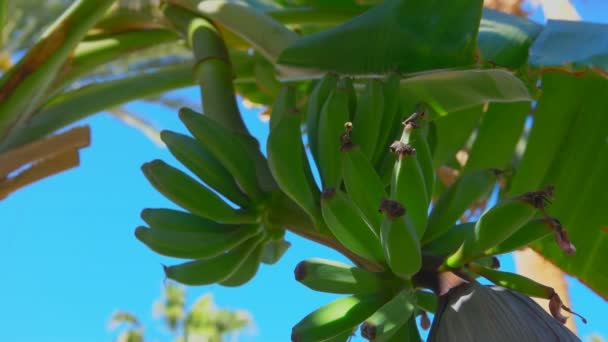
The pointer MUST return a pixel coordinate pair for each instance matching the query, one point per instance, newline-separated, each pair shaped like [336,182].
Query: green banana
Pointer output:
[407,182]
[349,226]
[390,119]
[334,114]
[513,281]
[525,285]
[196,244]
[247,270]
[286,154]
[467,189]
[191,195]
[235,151]
[336,277]
[386,322]
[501,221]
[532,231]
[418,140]
[368,119]
[179,221]
[337,317]
[362,183]
[316,100]
[213,270]
[206,167]
[399,240]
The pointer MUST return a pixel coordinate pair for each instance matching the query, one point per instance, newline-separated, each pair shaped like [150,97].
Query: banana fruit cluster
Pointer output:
[378,198]
[221,230]
[378,183]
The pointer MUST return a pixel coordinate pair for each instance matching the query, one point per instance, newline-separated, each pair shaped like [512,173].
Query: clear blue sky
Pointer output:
[70,257]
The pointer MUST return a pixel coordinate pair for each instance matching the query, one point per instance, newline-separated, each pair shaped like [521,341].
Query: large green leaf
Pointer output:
[568,147]
[504,39]
[572,46]
[450,91]
[406,35]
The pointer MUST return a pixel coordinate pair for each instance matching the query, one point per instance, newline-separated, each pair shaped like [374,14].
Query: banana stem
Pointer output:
[212,66]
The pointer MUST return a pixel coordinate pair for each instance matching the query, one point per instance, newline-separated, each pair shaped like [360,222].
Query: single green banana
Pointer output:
[316,100]
[337,317]
[286,153]
[335,277]
[501,221]
[513,281]
[235,151]
[368,118]
[407,182]
[195,245]
[390,118]
[384,323]
[526,286]
[419,141]
[193,196]
[363,185]
[213,270]
[496,225]
[468,188]
[532,231]
[179,221]
[247,270]
[399,240]
[207,168]
[334,114]
[348,224]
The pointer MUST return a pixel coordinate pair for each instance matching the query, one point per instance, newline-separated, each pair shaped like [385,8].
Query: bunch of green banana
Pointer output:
[227,242]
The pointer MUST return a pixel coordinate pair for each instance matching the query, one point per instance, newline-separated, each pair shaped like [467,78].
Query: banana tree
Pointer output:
[413,113]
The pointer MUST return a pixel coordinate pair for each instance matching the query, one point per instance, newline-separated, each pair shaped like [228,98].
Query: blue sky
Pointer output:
[70,257]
